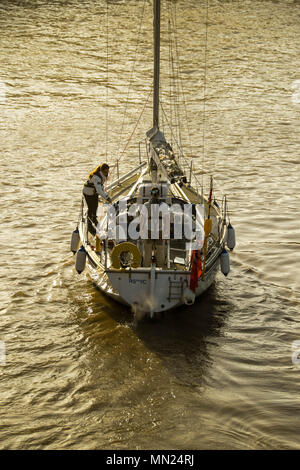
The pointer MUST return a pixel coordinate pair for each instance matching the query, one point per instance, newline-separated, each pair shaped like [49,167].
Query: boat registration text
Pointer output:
[138,281]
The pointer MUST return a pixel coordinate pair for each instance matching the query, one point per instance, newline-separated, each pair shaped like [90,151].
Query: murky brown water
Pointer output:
[79,372]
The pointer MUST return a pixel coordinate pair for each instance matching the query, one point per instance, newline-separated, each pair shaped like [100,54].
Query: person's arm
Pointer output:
[99,188]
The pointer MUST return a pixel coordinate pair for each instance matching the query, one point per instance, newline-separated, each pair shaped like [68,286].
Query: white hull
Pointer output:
[149,290]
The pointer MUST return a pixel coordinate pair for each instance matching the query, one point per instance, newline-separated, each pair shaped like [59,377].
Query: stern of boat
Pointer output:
[151,291]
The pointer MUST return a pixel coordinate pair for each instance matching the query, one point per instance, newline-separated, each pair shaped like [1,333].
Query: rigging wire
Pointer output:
[139,118]
[180,80]
[107,76]
[173,72]
[131,78]
[177,80]
[204,89]
[170,84]
[176,88]
[176,76]
[175,138]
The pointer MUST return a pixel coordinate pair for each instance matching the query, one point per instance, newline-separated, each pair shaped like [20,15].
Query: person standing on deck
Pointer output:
[91,190]
[149,243]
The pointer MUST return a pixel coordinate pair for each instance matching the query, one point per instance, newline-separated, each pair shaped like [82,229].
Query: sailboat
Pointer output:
[152,253]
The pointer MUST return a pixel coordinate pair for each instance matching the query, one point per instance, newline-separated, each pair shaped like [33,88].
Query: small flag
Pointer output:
[196,269]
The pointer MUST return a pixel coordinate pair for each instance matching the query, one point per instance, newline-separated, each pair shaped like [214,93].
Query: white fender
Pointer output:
[74,241]
[188,296]
[80,260]
[230,237]
[225,262]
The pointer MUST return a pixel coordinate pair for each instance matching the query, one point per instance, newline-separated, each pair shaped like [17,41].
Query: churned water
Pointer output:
[76,370]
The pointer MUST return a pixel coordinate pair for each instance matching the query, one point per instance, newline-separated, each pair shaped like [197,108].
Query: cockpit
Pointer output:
[161,229]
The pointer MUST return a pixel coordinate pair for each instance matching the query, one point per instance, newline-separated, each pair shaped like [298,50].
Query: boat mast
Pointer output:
[156,8]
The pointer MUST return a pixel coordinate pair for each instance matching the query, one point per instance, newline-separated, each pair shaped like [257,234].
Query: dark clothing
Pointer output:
[92,203]
[92,188]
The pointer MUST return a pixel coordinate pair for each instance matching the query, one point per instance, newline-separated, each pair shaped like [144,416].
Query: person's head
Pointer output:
[154,192]
[104,168]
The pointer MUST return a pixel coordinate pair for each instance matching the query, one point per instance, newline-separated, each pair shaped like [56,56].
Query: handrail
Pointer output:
[124,177]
